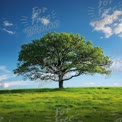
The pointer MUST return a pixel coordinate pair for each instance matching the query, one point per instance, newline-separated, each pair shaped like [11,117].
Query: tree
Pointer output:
[60,57]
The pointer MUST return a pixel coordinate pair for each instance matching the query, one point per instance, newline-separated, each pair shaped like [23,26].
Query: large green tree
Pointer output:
[60,57]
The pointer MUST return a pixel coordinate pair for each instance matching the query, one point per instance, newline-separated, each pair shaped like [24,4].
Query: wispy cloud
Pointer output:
[4,69]
[109,23]
[9,80]
[16,84]
[7,24]
[13,84]
[118,30]
[8,31]
[116,65]
[7,27]
[5,74]
[4,77]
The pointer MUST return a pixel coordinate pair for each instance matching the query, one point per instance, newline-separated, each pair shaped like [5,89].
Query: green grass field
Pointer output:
[66,105]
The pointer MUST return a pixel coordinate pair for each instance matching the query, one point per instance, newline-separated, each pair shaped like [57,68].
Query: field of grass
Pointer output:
[66,105]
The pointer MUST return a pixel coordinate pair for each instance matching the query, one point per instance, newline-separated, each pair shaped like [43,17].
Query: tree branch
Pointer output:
[74,76]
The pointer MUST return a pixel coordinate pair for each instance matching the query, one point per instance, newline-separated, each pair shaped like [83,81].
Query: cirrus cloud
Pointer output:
[8,31]
[4,69]
[5,74]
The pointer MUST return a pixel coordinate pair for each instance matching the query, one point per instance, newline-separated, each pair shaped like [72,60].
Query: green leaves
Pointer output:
[58,54]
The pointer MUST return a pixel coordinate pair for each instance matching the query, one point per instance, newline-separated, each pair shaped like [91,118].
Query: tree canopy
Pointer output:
[60,57]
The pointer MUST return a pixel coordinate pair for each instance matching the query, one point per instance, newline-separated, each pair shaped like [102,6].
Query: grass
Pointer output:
[67,105]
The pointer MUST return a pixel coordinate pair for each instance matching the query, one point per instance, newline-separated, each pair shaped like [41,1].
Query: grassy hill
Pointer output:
[66,105]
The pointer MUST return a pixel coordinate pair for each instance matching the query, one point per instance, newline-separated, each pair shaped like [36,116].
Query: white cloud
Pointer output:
[7,27]
[120,35]
[8,31]
[4,77]
[17,83]
[4,69]
[118,29]
[44,21]
[5,74]
[9,80]
[7,24]
[116,65]
[106,12]
[5,85]
[109,24]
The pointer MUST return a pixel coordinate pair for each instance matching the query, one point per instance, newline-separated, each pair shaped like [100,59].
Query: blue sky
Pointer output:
[24,20]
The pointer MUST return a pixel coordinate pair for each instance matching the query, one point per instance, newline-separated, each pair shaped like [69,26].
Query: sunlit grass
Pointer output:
[70,105]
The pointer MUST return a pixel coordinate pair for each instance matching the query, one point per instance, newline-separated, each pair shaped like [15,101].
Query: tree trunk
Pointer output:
[61,84]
